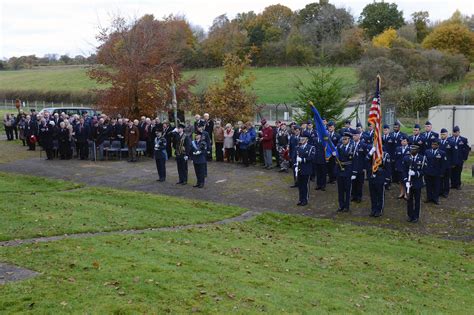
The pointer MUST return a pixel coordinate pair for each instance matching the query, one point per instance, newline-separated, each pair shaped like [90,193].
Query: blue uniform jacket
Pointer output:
[359,158]
[294,140]
[429,138]
[389,144]
[368,137]
[307,154]
[198,151]
[320,154]
[344,166]
[417,164]
[335,137]
[445,145]
[461,150]
[436,162]
[384,172]
[160,148]
[419,140]
[400,154]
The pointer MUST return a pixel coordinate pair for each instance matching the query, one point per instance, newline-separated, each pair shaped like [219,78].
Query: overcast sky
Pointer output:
[69,27]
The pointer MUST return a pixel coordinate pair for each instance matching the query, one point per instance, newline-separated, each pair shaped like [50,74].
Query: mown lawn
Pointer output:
[274,264]
[33,206]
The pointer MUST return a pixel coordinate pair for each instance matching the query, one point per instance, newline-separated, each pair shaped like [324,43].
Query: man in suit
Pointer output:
[81,134]
[31,132]
[461,150]
[182,150]
[160,154]
[304,168]
[413,172]
[132,136]
[358,165]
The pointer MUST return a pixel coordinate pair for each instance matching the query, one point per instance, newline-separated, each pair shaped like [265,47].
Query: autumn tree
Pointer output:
[454,38]
[135,63]
[378,16]
[421,20]
[230,100]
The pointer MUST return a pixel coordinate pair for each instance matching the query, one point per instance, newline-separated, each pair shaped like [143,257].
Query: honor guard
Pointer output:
[377,182]
[160,154]
[461,150]
[305,154]
[358,165]
[413,170]
[400,153]
[294,143]
[445,145]
[334,137]
[417,138]
[199,157]
[182,148]
[436,163]
[368,135]
[320,165]
[344,174]
[429,135]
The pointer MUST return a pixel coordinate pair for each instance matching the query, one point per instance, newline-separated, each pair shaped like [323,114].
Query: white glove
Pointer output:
[298,159]
[407,185]
[333,153]
[411,173]
[185,157]
[353,177]
[372,151]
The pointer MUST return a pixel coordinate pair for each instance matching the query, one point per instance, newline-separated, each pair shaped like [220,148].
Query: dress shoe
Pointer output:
[427,201]
[303,204]
[340,210]
[299,203]
[294,186]
[376,215]
[161,180]
[179,183]
[409,219]
[444,196]
[201,186]
[414,221]
[400,197]
[371,214]
[436,202]
[197,185]
[345,210]
[323,188]
[317,188]
[184,183]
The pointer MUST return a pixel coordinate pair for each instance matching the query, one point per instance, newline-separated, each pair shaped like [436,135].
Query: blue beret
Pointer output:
[416,126]
[444,130]
[427,123]
[396,123]
[386,126]
[456,129]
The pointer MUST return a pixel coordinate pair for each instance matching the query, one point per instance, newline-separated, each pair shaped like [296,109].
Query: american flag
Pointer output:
[375,119]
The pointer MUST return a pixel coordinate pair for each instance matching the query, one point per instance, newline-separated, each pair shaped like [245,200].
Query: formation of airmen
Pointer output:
[423,159]
[413,162]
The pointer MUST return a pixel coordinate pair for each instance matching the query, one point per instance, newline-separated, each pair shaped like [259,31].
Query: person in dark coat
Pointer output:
[209,128]
[81,135]
[461,151]
[63,139]
[304,168]
[417,139]
[294,143]
[429,135]
[436,163]
[335,138]
[368,135]
[160,154]
[413,172]
[168,133]
[45,136]
[445,145]
[132,136]
[344,174]
[182,148]
[198,155]
[31,133]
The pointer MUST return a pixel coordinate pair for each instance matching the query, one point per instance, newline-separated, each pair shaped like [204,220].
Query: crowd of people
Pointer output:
[423,159]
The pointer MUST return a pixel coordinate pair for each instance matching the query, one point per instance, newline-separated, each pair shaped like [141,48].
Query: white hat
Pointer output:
[52,123]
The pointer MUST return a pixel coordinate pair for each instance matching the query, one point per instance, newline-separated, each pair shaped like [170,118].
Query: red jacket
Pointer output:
[267,138]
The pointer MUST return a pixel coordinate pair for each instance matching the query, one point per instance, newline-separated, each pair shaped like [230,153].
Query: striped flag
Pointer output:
[375,118]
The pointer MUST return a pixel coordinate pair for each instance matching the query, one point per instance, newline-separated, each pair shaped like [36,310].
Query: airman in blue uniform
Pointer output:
[388,144]
[358,166]
[335,138]
[294,143]
[400,153]
[413,171]
[429,135]
[460,154]
[436,163]
[304,168]
[445,145]
[368,135]
[160,154]
[344,174]
[377,182]
[320,165]
[199,157]
[417,138]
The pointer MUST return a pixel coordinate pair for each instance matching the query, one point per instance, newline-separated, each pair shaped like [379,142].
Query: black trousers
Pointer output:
[344,192]
[413,203]
[303,187]
[150,148]
[182,169]
[321,175]
[244,155]
[64,149]
[456,176]
[9,132]
[252,154]
[444,190]
[330,167]
[377,197]
[219,152]
[161,168]
[49,152]
[230,154]
[82,150]
[358,186]
[199,169]
[433,185]
[16,132]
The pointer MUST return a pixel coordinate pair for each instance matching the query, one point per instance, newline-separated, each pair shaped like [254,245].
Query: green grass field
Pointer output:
[272,84]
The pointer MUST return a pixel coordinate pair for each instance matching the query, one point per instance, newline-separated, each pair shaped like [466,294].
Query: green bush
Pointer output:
[418,96]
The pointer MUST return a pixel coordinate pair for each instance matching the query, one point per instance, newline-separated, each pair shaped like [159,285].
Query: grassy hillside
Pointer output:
[272,85]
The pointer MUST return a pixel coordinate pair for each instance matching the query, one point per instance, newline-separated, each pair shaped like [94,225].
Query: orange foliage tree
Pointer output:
[135,61]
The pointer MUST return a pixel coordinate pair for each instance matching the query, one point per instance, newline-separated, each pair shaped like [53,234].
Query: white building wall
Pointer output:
[443,116]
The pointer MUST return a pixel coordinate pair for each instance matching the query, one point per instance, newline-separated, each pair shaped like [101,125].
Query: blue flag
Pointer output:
[323,134]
